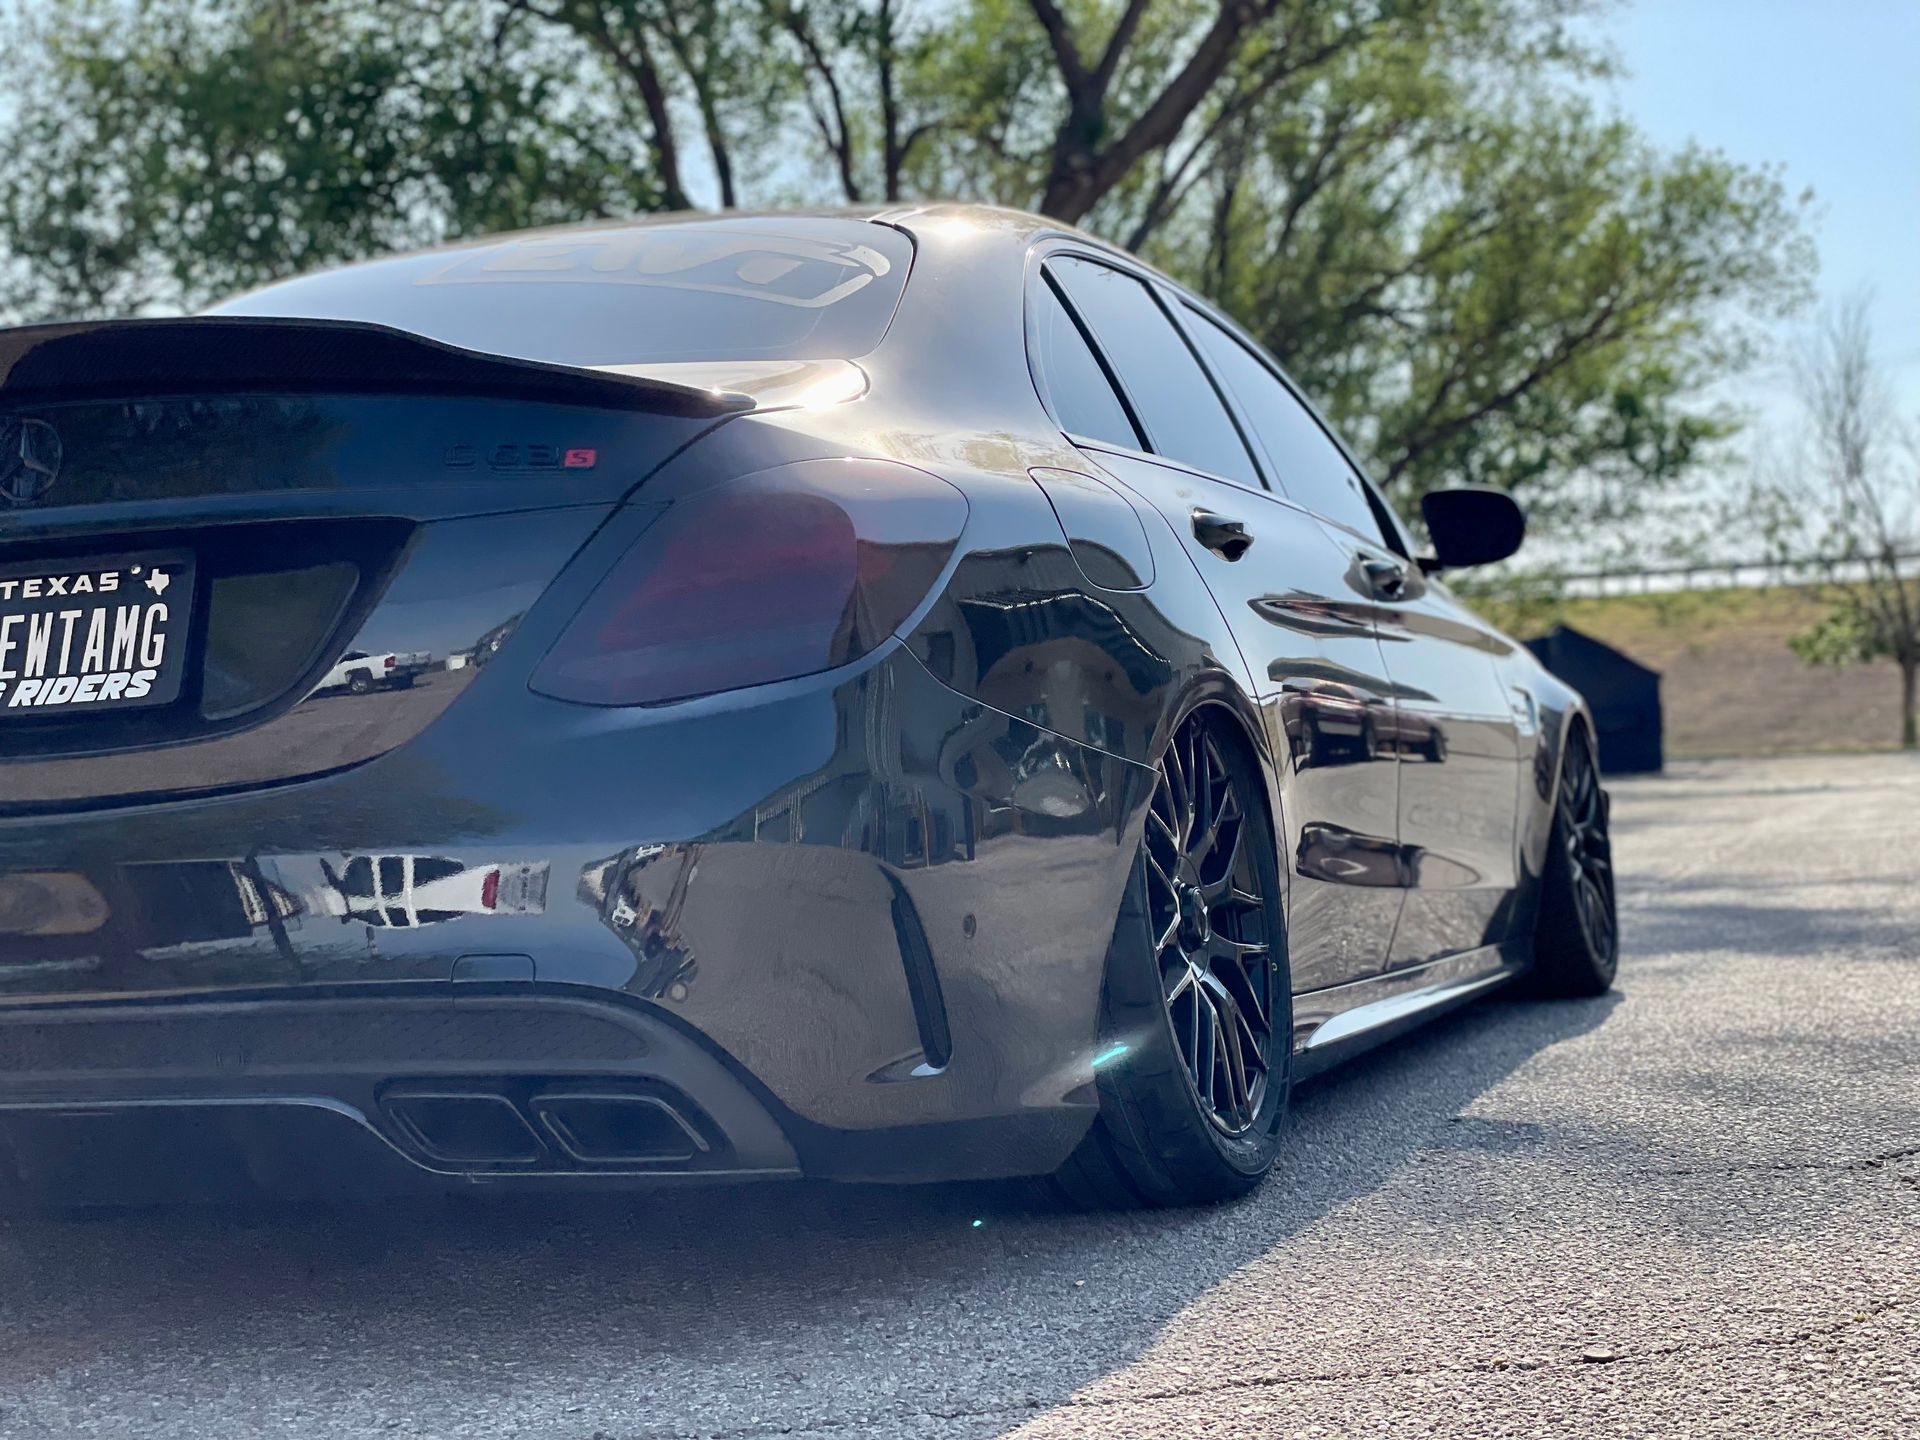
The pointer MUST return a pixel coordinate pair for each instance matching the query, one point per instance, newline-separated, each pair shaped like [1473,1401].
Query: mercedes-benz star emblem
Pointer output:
[29,459]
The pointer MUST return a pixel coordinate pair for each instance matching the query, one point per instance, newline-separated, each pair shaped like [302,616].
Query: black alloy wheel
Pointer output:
[1589,852]
[1207,908]
[1196,1021]
[1577,939]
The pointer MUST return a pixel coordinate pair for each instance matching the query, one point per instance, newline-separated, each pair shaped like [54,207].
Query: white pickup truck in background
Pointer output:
[360,671]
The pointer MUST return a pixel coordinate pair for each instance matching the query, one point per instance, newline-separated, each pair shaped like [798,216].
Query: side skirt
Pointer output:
[1341,1021]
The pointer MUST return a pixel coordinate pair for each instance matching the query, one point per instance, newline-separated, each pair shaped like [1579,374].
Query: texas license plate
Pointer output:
[84,635]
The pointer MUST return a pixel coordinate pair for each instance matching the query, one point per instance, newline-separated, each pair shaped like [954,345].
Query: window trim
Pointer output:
[1395,537]
[1040,279]
[1156,285]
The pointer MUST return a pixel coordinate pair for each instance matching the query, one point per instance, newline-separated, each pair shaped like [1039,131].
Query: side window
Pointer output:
[1183,414]
[1076,387]
[1308,465]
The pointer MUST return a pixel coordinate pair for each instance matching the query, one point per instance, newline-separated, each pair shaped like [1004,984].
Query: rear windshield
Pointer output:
[792,289]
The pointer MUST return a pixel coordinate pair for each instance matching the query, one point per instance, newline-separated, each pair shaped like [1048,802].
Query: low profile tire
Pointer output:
[1196,1022]
[1576,942]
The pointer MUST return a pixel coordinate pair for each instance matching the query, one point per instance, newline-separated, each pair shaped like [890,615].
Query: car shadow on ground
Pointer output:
[728,1288]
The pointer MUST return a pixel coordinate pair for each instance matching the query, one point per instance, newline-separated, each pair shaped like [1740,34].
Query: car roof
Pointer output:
[928,221]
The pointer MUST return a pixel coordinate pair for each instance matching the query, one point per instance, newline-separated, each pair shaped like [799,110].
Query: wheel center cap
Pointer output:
[1195,927]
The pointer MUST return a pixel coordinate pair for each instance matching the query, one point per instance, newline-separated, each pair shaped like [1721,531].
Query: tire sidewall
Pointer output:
[1566,962]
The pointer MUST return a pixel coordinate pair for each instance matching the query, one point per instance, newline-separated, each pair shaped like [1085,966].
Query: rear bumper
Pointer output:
[858,926]
[413,1085]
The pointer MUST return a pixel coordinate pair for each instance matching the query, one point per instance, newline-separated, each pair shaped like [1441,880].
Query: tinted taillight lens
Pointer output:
[773,575]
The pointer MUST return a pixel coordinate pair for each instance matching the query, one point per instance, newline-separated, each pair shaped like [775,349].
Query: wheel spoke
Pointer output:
[1193,1032]
[1236,978]
[1207,851]
[1233,1064]
[1255,1049]
[1228,948]
[1179,802]
[1209,1053]
[1159,872]
[1201,779]
[1168,936]
[1155,817]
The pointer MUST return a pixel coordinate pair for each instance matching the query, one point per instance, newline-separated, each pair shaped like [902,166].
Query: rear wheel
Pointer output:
[359,682]
[1196,1014]
[1576,943]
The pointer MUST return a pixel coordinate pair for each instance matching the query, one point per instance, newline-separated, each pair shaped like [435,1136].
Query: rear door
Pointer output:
[1451,727]
[1315,660]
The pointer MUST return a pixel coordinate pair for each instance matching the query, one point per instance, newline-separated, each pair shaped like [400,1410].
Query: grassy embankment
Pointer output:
[1729,684]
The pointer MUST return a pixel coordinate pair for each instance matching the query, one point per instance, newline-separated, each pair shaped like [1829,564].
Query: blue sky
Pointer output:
[1831,91]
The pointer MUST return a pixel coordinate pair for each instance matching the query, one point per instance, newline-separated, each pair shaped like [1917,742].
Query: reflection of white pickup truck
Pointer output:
[405,891]
[360,671]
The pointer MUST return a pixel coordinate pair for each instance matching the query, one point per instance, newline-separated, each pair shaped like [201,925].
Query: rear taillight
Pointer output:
[389,662]
[490,890]
[777,574]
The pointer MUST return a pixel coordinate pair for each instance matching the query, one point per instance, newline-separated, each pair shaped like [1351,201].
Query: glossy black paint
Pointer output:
[875,901]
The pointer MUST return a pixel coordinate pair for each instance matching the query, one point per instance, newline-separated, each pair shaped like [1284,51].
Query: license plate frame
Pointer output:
[58,668]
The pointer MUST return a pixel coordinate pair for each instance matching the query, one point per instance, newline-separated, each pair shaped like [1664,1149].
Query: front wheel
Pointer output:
[1194,1064]
[1576,942]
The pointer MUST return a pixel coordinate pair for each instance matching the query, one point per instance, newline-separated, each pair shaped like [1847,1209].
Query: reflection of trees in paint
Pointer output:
[639,894]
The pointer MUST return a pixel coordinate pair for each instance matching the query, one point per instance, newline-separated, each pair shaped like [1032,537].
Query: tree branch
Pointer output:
[838,136]
[1066,55]
[1117,44]
[698,72]
[587,19]
[1412,446]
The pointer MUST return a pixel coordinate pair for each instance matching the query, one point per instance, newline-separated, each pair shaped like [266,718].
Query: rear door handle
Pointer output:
[1387,580]
[1223,536]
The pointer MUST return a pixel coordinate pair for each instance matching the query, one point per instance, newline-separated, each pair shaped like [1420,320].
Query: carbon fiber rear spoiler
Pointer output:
[225,354]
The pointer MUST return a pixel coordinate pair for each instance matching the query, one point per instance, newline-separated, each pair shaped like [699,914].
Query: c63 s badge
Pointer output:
[94,634]
[517,459]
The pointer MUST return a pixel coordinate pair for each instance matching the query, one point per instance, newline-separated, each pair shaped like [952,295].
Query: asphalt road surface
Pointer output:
[1691,1208]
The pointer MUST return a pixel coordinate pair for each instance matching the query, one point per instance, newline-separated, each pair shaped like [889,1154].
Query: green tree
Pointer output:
[1477,275]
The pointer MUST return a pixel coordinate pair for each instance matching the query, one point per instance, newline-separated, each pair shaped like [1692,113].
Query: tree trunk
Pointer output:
[1909,722]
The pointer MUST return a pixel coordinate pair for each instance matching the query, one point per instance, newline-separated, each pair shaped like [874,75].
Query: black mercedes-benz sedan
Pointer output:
[909,694]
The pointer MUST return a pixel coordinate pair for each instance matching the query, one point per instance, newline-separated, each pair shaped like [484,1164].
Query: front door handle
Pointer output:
[1385,578]
[1225,537]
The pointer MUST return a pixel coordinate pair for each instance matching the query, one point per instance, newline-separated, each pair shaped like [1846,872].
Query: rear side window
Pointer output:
[793,289]
[1308,465]
[1076,387]
[1171,394]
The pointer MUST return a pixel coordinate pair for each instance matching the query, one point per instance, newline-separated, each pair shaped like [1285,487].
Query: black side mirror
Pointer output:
[1474,525]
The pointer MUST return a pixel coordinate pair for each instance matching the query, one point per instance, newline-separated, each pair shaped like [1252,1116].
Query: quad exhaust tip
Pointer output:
[600,1127]
[495,1126]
